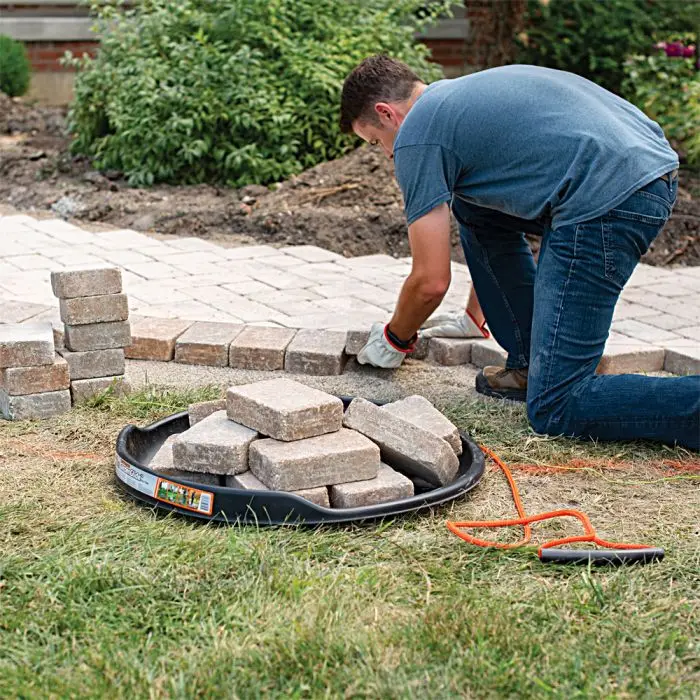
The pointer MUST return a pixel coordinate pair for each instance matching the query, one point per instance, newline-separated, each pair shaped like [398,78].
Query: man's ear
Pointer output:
[384,111]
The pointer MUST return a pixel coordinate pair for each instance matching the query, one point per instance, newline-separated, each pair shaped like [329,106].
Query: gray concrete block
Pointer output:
[319,495]
[356,340]
[34,406]
[94,363]
[20,381]
[419,411]
[103,308]
[388,485]
[258,347]
[82,389]
[97,336]
[196,477]
[154,338]
[284,409]
[683,360]
[19,311]
[26,345]
[215,445]
[420,352]
[316,352]
[629,358]
[318,461]
[162,463]
[450,351]
[487,353]
[199,411]
[403,444]
[248,480]
[86,283]
[206,343]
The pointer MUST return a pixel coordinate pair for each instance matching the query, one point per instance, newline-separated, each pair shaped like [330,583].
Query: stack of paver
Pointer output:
[95,314]
[33,379]
[284,436]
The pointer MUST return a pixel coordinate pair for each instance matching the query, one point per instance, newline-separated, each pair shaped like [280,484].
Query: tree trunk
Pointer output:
[493,25]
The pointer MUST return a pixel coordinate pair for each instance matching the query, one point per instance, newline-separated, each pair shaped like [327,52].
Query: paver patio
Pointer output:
[296,287]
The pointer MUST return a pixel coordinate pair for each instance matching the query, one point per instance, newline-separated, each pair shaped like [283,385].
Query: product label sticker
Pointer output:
[136,478]
[185,496]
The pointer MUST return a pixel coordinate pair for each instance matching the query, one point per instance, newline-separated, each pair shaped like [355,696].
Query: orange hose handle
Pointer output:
[526,521]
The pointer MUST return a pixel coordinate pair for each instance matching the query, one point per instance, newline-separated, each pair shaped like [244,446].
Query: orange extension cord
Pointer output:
[527,520]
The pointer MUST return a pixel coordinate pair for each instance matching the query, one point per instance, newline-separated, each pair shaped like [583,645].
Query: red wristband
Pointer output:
[481,327]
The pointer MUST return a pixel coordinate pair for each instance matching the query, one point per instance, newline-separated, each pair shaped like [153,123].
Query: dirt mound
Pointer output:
[352,205]
[17,117]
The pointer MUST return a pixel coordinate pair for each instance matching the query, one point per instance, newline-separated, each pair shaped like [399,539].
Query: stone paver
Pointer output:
[86,283]
[682,360]
[488,352]
[419,411]
[215,445]
[94,363]
[316,352]
[206,343]
[260,348]
[97,336]
[34,406]
[82,389]
[162,279]
[199,411]
[403,444]
[334,458]
[388,485]
[103,308]
[249,481]
[284,409]
[20,381]
[26,345]
[18,311]
[451,351]
[630,357]
[162,463]
[154,338]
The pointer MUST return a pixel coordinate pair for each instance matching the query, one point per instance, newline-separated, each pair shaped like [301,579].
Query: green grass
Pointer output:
[100,597]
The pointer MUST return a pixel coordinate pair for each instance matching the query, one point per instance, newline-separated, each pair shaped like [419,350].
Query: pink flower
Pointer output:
[675,48]
[689,51]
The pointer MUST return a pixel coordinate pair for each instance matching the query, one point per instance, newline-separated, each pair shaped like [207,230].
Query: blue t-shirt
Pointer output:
[526,141]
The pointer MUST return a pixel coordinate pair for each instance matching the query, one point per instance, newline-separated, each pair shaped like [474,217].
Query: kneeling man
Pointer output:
[523,149]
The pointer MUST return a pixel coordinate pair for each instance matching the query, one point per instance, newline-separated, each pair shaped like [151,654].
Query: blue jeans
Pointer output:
[554,318]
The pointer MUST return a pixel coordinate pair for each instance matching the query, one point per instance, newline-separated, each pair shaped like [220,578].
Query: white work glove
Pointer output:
[456,325]
[379,351]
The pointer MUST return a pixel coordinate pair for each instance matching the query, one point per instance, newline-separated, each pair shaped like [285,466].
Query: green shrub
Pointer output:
[593,37]
[667,89]
[14,67]
[233,91]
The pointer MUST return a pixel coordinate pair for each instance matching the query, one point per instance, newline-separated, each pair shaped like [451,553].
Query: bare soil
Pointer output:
[351,205]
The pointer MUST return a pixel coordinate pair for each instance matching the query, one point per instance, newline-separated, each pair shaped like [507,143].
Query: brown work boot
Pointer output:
[503,383]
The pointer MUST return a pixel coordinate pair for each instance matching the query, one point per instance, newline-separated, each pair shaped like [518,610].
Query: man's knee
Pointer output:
[539,416]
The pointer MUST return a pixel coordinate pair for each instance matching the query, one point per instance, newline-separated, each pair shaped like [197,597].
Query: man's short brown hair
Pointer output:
[376,79]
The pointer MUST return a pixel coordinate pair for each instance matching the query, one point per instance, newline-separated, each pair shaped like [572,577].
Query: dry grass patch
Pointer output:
[101,597]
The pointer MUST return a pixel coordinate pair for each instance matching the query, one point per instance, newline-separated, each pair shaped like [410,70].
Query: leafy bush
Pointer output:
[666,86]
[234,91]
[593,38]
[14,67]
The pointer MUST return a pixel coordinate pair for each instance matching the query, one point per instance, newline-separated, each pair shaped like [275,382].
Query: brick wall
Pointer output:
[45,55]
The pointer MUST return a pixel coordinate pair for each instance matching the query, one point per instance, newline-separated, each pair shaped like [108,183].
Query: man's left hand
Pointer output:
[379,351]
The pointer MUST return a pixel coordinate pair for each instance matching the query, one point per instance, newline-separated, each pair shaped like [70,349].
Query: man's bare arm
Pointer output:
[425,287]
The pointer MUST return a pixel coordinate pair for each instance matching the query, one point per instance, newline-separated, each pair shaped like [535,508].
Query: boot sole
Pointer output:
[483,387]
